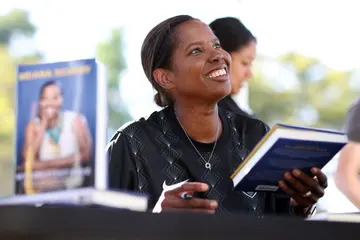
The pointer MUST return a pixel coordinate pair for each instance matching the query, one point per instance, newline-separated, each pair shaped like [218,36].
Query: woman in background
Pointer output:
[239,42]
[347,175]
[192,145]
[56,139]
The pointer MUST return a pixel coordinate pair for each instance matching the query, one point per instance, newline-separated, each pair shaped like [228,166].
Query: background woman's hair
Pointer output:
[231,33]
[157,51]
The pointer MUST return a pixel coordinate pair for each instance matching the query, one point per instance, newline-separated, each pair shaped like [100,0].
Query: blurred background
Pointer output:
[307,71]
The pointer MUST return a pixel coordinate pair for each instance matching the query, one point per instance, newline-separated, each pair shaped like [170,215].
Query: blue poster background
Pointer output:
[79,93]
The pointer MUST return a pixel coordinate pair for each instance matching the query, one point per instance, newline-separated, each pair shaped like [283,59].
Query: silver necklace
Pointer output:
[207,163]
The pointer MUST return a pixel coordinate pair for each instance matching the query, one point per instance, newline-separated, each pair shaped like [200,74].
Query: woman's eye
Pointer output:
[217,45]
[196,51]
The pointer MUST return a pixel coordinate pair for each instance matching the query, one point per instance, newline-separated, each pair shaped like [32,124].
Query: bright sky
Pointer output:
[70,29]
[323,28]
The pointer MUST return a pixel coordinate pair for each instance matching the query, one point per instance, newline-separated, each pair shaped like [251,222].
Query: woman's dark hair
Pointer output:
[157,51]
[47,84]
[231,33]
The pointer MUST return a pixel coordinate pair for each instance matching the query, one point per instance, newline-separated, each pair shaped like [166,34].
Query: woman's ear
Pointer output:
[163,78]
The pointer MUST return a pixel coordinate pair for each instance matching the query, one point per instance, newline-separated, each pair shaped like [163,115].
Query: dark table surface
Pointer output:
[63,222]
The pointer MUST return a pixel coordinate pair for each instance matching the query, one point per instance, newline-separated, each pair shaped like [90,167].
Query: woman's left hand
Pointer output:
[303,189]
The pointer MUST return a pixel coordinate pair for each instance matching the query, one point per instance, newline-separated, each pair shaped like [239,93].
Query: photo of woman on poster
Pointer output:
[55,138]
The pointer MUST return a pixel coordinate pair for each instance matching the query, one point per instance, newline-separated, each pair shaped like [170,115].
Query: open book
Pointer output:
[283,149]
[61,125]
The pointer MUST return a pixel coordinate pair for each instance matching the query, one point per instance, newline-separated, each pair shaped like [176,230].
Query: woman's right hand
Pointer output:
[174,201]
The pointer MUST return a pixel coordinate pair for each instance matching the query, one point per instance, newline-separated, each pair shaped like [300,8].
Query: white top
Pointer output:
[68,144]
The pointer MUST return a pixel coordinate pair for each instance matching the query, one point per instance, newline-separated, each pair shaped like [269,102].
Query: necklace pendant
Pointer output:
[207,165]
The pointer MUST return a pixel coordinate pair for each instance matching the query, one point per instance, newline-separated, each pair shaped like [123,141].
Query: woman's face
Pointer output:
[51,101]
[240,70]
[200,66]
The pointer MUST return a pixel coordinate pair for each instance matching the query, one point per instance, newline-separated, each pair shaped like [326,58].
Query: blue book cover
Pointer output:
[279,153]
[60,126]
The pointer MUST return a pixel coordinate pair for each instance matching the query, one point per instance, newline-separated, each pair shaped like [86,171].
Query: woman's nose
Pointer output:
[216,56]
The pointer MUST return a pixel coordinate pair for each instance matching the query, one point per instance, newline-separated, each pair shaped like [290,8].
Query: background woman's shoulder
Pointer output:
[352,122]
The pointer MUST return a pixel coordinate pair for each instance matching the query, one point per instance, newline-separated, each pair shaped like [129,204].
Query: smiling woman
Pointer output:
[186,69]
[183,155]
